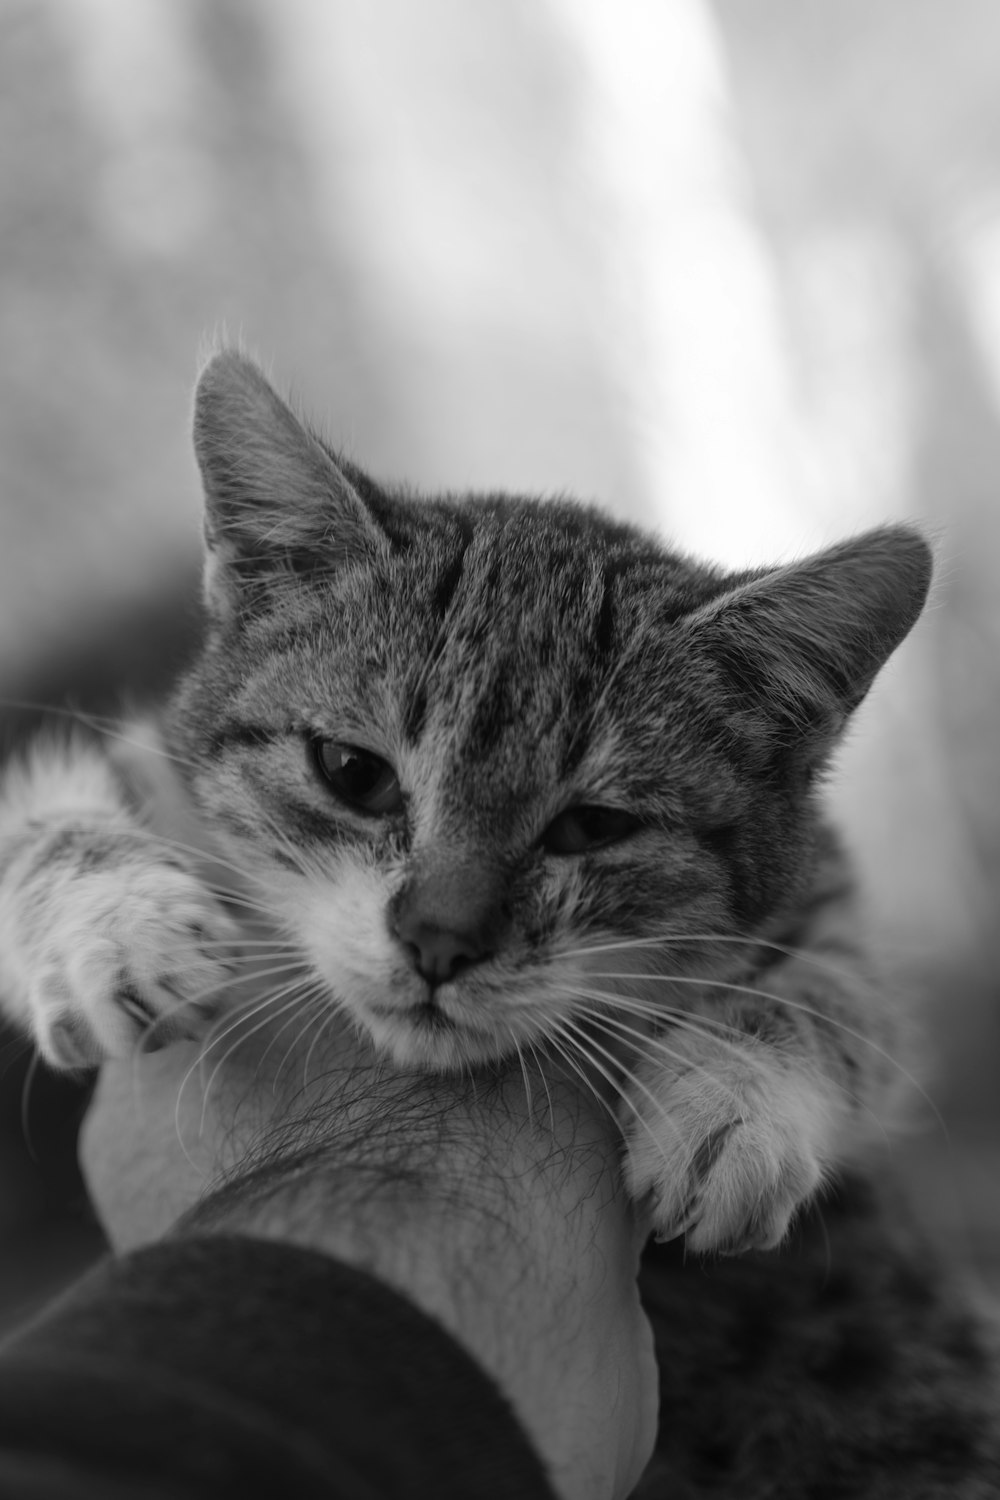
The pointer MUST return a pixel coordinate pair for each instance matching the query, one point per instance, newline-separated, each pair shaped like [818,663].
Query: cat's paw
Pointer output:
[725,1144]
[131,952]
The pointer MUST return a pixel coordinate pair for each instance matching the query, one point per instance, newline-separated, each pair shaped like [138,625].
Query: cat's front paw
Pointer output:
[133,949]
[725,1144]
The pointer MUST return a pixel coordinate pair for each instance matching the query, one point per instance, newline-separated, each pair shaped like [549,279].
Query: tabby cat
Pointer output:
[506,777]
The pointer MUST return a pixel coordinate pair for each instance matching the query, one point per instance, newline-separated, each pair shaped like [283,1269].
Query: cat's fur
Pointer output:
[513,664]
[857,1363]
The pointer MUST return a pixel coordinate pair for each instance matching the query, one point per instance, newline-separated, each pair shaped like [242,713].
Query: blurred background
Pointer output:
[731,267]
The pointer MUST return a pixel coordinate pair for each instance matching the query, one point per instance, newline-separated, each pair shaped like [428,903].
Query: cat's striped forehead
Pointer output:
[478,651]
[499,686]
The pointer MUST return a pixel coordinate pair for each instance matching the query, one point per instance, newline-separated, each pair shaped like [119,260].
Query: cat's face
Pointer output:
[464,766]
[494,761]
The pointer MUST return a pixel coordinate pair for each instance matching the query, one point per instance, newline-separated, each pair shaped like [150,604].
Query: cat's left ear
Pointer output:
[276,502]
[801,645]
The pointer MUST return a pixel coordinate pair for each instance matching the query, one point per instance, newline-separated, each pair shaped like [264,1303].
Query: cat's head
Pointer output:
[485,754]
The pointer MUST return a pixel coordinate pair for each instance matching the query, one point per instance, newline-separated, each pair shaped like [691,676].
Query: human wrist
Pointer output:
[499,1216]
[443,1188]
[501,1221]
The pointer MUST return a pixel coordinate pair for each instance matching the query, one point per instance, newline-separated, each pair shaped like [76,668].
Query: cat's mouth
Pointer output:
[426,1015]
[423,1034]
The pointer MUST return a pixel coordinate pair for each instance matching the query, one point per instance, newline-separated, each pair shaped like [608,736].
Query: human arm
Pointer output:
[501,1218]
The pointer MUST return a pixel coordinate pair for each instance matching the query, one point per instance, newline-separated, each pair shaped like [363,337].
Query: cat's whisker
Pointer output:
[565,1048]
[198,855]
[213,856]
[654,940]
[13,1048]
[655,1011]
[328,1020]
[30,1075]
[233,1019]
[693,1021]
[587,1044]
[229,1019]
[297,856]
[704,1025]
[312,1005]
[605,1003]
[238,895]
[269,1012]
[855,1035]
[854,978]
[646,1043]
[253,1005]
[195,1001]
[247,975]
[229,1023]
[699,1024]
[853,982]
[652,1010]
[277,947]
[820,1216]
[107,726]
[527,1082]
[265,1008]
[617,1031]
[679,938]
[756,992]
[540,1069]
[650,1046]
[185,1003]
[243,953]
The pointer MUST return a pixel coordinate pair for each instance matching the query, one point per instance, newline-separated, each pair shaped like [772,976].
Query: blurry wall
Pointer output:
[733,269]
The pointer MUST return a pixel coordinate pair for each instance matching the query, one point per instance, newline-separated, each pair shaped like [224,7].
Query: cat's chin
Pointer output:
[424,1038]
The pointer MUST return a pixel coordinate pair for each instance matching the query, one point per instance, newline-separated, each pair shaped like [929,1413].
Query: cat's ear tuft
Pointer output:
[276,501]
[801,645]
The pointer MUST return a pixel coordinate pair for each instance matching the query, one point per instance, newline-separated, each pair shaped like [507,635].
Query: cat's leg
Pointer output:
[104,927]
[726,1140]
[739,1112]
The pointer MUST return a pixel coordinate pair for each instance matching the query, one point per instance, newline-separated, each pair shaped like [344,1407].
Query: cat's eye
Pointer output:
[581,828]
[359,777]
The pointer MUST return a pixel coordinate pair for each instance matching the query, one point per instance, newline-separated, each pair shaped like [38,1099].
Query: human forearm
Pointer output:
[227,1365]
[503,1222]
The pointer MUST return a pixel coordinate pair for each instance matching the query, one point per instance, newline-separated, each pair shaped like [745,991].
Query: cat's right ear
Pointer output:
[800,645]
[276,502]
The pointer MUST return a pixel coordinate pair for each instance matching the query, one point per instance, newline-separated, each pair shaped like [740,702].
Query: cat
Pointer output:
[508,778]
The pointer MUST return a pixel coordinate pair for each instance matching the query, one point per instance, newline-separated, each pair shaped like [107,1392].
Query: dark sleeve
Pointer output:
[231,1366]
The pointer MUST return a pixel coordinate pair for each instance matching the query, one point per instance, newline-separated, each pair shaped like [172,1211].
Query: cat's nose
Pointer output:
[449,916]
[438,953]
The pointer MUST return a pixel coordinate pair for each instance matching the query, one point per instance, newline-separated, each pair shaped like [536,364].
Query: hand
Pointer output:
[497,1211]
